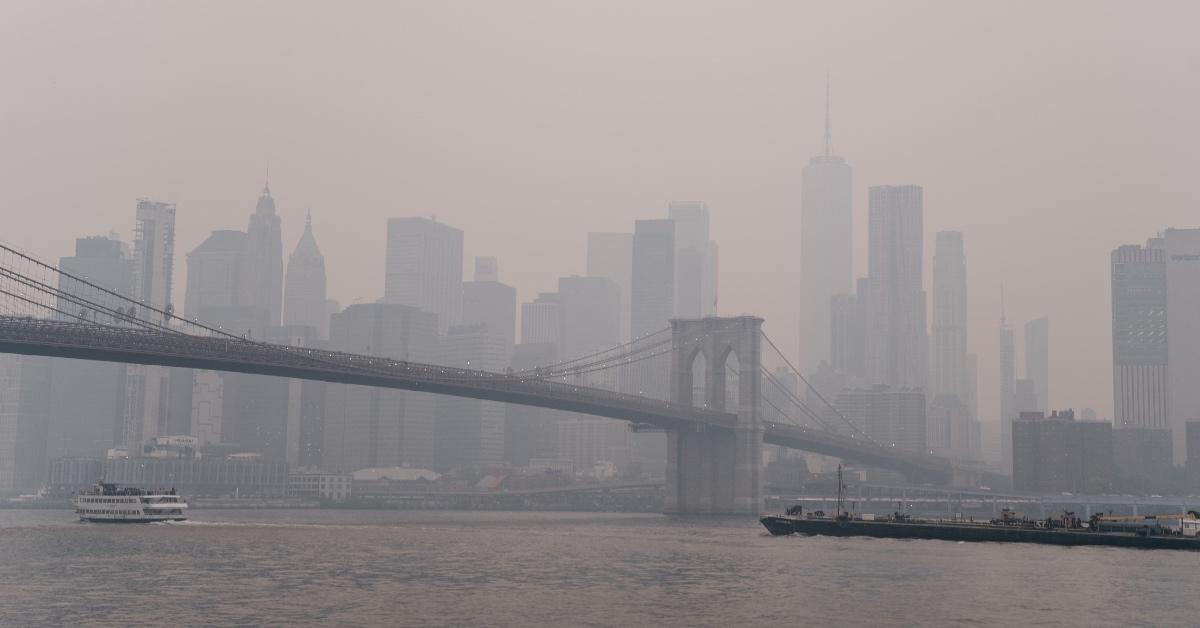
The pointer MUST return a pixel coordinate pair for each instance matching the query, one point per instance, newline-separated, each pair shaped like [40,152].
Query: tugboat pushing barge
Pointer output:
[1173,532]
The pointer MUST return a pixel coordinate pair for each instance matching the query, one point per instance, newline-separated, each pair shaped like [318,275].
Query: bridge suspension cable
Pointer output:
[816,392]
[795,401]
[34,288]
[566,365]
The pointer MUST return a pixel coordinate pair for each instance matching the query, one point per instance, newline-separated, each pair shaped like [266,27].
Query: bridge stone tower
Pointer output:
[714,470]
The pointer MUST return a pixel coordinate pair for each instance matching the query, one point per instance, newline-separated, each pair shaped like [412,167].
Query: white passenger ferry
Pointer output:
[109,503]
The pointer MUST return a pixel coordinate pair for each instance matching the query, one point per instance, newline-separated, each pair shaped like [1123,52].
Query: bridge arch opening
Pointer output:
[726,377]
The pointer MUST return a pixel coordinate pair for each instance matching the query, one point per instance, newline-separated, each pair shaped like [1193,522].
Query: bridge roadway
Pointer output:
[108,343]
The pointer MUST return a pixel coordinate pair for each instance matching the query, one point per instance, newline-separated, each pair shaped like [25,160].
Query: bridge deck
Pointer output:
[90,341]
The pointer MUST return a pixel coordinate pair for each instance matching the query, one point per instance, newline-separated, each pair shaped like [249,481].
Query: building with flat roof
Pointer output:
[425,268]
[1056,453]
[314,484]
[377,427]
[890,417]
[897,344]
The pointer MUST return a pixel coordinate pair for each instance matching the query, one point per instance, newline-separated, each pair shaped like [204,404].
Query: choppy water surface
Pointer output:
[368,568]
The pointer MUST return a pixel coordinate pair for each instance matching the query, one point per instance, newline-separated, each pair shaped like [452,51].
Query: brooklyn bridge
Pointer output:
[715,452]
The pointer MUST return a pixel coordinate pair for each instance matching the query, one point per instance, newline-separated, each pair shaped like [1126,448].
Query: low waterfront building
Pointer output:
[392,481]
[552,465]
[320,485]
[191,477]
[71,475]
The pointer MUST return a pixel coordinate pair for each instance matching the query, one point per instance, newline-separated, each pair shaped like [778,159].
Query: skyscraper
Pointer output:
[1182,257]
[146,387]
[897,343]
[1037,361]
[952,425]
[652,305]
[652,302]
[1139,337]
[695,260]
[470,432]
[893,418]
[304,285]
[948,337]
[24,403]
[376,427]
[1008,390]
[488,302]
[264,249]
[424,268]
[610,255]
[541,321]
[825,247]
[590,315]
[846,325]
[219,287]
[154,252]
[86,400]
[590,311]
[530,432]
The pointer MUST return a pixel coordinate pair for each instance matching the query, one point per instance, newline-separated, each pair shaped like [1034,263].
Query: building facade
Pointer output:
[948,333]
[892,418]
[264,257]
[376,427]
[488,302]
[470,432]
[1182,257]
[1056,453]
[87,401]
[695,260]
[424,268]
[1139,336]
[896,342]
[304,291]
[146,387]
[1037,360]
[826,251]
[24,406]
[586,441]
[610,255]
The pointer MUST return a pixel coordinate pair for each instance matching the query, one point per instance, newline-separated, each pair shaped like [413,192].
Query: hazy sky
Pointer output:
[1048,132]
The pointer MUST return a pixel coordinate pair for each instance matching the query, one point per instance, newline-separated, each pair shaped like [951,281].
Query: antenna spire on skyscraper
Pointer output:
[827,134]
[1003,320]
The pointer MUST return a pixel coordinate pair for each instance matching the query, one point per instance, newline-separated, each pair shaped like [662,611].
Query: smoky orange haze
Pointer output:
[1049,133]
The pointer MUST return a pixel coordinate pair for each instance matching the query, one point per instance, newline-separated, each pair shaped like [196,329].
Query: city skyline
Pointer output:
[542,313]
[915,139]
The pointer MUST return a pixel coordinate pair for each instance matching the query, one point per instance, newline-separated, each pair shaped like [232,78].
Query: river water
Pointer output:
[439,568]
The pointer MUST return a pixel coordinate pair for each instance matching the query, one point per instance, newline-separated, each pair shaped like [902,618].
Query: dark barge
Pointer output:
[996,532]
